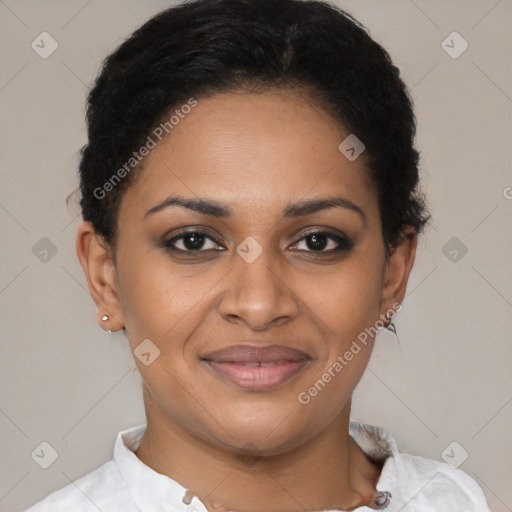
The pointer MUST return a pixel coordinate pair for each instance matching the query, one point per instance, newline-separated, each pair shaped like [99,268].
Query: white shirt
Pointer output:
[126,484]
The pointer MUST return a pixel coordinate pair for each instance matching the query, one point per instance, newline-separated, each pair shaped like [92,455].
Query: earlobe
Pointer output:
[96,259]
[398,268]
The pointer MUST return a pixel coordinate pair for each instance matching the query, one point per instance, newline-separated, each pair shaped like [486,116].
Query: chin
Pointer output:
[266,431]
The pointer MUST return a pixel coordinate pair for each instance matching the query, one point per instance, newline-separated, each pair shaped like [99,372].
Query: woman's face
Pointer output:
[251,272]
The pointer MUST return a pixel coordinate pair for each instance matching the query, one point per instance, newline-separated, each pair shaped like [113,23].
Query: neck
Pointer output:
[328,471]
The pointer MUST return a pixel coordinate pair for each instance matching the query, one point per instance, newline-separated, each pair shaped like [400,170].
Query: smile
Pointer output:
[257,368]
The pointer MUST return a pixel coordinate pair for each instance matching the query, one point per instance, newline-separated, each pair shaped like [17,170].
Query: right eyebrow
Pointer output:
[204,206]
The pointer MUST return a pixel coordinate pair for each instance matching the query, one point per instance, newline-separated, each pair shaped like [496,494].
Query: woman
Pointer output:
[251,211]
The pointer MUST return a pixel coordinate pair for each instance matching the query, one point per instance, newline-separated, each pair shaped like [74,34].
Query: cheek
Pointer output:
[157,301]
[348,306]
[347,301]
[345,306]
[166,307]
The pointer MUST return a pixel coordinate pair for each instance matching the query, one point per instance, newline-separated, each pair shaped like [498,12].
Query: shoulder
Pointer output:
[96,490]
[105,488]
[431,485]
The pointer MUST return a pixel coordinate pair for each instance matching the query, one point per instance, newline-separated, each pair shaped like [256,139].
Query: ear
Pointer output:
[95,256]
[397,268]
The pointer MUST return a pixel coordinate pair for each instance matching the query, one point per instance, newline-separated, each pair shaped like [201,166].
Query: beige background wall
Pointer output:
[65,381]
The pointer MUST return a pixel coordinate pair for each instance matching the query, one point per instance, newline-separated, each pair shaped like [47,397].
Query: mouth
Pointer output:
[257,368]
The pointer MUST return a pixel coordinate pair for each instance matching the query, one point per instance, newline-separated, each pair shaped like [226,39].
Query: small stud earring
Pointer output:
[104,318]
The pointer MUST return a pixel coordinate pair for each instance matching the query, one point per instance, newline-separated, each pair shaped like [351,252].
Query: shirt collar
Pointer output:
[376,442]
[149,487]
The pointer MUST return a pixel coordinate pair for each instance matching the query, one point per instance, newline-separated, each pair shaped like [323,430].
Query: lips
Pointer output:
[256,367]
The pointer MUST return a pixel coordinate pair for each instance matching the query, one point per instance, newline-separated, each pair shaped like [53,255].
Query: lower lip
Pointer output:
[257,378]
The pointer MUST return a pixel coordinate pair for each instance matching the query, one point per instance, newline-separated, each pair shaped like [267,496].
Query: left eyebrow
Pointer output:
[292,210]
[310,206]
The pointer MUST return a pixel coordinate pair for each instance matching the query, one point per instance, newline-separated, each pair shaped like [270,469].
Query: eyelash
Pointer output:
[344,243]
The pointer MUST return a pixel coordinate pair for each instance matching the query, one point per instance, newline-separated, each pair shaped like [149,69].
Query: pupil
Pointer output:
[317,241]
[193,241]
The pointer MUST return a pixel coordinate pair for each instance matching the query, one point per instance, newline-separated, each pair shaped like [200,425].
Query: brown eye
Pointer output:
[191,241]
[319,241]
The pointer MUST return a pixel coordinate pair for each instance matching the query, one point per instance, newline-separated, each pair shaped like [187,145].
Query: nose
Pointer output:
[256,294]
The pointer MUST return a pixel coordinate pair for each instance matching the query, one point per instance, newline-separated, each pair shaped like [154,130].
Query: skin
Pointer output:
[254,154]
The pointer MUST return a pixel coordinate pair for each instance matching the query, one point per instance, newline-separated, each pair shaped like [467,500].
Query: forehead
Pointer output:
[245,148]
